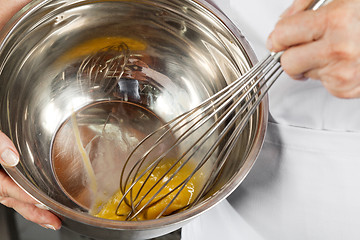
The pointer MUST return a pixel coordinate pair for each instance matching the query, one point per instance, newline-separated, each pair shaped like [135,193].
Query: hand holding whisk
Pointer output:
[200,140]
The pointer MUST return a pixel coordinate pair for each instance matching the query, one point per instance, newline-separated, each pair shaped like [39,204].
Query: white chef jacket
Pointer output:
[306,182]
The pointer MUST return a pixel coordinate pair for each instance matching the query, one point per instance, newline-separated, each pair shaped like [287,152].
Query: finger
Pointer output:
[8,153]
[11,8]
[8,188]
[295,7]
[300,28]
[341,79]
[297,60]
[14,197]
[32,213]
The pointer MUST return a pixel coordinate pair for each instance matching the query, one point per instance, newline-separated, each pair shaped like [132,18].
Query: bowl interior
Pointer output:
[179,53]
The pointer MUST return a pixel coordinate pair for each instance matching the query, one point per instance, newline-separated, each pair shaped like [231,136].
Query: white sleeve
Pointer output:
[220,222]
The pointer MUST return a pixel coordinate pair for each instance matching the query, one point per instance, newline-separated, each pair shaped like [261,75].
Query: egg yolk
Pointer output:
[162,202]
[94,45]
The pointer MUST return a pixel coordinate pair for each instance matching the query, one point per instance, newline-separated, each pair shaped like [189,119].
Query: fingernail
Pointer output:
[41,206]
[10,158]
[49,226]
[300,77]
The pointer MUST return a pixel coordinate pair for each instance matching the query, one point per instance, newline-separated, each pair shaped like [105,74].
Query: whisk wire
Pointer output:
[232,139]
[236,89]
[230,144]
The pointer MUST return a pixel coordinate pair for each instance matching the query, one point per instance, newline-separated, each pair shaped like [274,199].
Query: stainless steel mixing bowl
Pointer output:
[185,51]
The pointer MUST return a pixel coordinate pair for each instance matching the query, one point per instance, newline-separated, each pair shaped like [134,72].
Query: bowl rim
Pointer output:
[63,211]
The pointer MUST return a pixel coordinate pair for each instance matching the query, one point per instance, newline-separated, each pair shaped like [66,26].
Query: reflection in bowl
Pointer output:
[180,53]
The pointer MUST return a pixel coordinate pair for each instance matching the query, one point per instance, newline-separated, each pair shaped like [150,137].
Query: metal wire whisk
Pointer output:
[219,120]
[224,115]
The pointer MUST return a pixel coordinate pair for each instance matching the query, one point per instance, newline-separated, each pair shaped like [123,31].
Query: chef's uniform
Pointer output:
[305,183]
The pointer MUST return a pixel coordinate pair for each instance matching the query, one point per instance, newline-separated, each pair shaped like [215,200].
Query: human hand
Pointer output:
[12,195]
[321,44]
[8,8]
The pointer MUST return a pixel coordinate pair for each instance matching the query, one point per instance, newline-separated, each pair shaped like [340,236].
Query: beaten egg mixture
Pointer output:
[185,197]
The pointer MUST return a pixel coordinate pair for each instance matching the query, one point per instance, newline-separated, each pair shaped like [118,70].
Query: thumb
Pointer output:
[296,6]
[8,153]
[9,8]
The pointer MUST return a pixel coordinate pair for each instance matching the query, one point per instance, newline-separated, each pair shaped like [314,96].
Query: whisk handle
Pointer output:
[316,4]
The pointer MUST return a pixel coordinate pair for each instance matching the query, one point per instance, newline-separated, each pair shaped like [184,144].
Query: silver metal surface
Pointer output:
[184,51]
